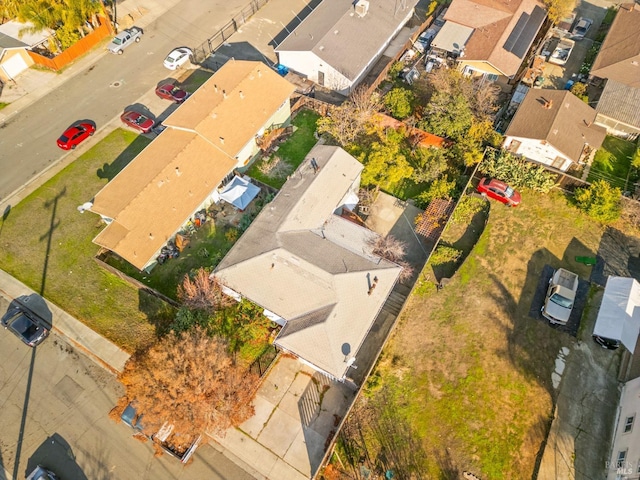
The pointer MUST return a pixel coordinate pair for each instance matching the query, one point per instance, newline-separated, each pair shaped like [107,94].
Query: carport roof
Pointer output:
[14,34]
[620,102]
[619,315]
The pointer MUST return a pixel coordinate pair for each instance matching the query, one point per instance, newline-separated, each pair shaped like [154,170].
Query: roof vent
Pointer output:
[215,87]
[241,94]
[634,63]
[335,32]
[555,131]
[566,105]
[259,73]
[222,140]
[224,93]
[178,172]
[362,7]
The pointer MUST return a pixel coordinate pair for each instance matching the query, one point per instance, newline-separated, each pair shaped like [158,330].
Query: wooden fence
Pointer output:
[76,50]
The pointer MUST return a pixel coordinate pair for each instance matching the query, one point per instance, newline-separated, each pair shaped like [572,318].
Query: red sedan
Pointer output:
[137,121]
[169,91]
[75,135]
[499,191]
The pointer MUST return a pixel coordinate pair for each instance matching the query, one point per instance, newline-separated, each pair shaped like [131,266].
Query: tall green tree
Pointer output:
[385,163]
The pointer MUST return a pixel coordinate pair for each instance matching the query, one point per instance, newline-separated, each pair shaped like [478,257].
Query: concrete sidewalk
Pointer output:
[89,342]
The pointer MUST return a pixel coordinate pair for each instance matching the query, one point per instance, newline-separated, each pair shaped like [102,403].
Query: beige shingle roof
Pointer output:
[619,56]
[311,267]
[233,105]
[162,187]
[567,125]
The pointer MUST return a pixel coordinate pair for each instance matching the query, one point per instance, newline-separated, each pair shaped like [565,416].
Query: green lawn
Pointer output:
[46,243]
[612,162]
[293,150]
[467,373]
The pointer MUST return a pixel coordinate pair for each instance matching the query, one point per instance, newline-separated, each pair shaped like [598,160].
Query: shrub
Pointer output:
[440,188]
[516,171]
[398,101]
[467,208]
[600,201]
[445,254]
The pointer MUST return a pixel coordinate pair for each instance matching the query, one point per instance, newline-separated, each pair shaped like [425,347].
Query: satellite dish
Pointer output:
[85,206]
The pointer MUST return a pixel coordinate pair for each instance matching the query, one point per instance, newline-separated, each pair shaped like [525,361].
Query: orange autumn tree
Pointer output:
[189,380]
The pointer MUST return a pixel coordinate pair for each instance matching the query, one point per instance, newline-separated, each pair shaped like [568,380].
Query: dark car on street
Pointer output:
[499,191]
[75,135]
[25,324]
[170,91]
[137,121]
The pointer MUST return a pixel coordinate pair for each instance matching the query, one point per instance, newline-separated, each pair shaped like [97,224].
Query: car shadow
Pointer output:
[56,455]
[168,80]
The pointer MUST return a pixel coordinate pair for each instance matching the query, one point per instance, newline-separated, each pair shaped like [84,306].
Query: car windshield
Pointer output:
[172,57]
[562,301]
[117,41]
[140,120]
[25,327]
[64,139]
[508,192]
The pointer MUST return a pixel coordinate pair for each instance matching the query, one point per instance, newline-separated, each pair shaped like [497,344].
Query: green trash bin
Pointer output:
[590,261]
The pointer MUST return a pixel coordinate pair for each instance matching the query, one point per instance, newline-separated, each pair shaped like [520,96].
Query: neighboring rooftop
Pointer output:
[344,39]
[15,34]
[312,268]
[503,31]
[557,117]
[621,102]
[619,55]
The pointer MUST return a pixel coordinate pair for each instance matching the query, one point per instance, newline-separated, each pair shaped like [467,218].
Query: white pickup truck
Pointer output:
[124,39]
[560,296]
[562,52]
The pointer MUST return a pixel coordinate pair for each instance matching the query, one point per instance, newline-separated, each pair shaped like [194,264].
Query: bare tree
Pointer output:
[202,292]
[190,381]
[393,250]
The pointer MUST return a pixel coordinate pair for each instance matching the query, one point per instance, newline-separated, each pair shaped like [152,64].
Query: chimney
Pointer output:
[371,289]
[547,104]
[361,7]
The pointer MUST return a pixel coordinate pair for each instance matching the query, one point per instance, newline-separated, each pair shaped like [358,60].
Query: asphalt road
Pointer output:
[54,405]
[104,89]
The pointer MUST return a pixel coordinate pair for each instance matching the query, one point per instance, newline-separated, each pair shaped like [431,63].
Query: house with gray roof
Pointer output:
[555,128]
[490,38]
[338,43]
[15,39]
[618,64]
[313,271]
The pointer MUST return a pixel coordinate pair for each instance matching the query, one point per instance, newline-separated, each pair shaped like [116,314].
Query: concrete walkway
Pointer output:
[89,342]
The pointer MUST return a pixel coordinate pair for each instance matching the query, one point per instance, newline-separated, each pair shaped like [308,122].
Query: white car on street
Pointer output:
[177,58]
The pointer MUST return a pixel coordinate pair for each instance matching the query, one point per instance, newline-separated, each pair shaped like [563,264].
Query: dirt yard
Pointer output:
[468,366]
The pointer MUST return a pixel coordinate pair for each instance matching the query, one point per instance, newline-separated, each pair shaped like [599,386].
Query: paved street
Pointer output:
[54,405]
[104,89]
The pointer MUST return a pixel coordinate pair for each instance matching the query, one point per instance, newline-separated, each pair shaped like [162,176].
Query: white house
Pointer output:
[555,128]
[625,452]
[338,43]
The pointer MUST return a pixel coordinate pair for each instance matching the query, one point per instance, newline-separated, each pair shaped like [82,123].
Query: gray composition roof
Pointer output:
[452,37]
[620,102]
[343,39]
[567,125]
[311,267]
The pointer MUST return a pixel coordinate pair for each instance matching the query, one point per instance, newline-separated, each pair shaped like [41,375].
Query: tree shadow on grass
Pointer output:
[109,170]
[159,313]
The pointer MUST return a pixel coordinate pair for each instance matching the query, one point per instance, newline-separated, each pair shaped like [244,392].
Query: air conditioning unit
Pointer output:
[362,7]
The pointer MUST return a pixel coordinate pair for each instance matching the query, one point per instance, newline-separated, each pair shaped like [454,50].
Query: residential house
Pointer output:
[210,135]
[15,40]
[618,65]
[313,271]
[490,38]
[625,452]
[338,43]
[555,128]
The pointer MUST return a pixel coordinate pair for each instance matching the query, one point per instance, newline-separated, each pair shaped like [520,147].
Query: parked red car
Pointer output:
[75,135]
[499,191]
[169,91]
[137,121]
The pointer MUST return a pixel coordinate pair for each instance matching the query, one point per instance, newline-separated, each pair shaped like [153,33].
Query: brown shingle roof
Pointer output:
[233,105]
[567,125]
[619,56]
[492,21]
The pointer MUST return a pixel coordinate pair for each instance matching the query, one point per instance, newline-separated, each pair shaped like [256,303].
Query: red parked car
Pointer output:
[75,135]
[169,91]
[499,191]
[137,121]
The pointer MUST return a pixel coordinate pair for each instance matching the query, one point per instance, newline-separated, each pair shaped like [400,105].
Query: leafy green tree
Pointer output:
[448,116]
[384,163]
[9,10]
[579,89]
[399,101]
[600,201]
[516,171]
[428,164]
[440,188]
